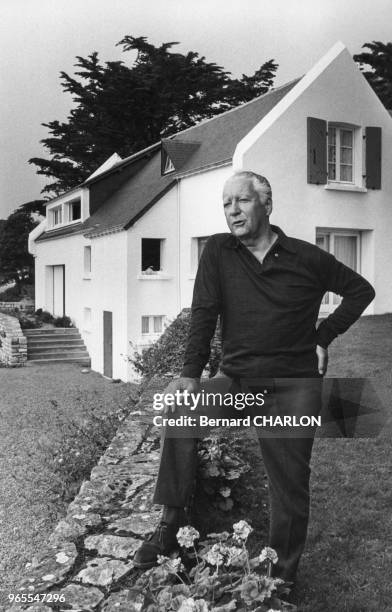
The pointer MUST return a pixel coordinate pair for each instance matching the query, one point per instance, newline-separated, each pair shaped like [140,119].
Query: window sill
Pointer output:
[192,277]
[345,187]
[156,277]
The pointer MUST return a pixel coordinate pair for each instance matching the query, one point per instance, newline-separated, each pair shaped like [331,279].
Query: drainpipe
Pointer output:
[178,247]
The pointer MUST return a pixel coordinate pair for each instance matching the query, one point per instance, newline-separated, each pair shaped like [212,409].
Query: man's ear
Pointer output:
[268,206]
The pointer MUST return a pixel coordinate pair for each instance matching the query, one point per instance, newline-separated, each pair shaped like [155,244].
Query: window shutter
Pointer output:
[373,158]
[317,151]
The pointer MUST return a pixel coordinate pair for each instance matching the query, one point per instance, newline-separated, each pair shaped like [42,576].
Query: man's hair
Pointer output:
[260,184]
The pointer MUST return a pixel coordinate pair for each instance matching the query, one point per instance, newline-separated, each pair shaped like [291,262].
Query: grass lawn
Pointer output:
[346,566]
[39,410]
[348,557]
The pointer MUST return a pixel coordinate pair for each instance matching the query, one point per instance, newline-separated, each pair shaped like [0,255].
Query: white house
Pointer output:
[119,253]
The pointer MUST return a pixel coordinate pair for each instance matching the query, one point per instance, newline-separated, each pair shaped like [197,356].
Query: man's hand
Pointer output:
[322,355]
[191,385]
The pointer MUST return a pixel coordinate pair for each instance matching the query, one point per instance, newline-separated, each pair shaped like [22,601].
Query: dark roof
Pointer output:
[132,199]
[220,135]
[76,228]
[211,142]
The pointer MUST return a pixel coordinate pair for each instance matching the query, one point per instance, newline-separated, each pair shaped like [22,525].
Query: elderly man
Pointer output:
[267,288]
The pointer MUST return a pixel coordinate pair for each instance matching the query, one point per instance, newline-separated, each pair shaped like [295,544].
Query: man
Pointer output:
[267,288]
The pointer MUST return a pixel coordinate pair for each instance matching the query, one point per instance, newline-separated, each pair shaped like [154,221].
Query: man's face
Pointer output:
[245,210]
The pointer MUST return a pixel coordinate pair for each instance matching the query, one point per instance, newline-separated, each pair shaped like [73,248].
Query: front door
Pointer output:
[107,344]
[58,293]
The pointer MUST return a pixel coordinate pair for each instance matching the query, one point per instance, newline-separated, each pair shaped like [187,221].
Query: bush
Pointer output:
[166,356]
[62,322]
[17,293]
[12,294]
[44,316]
[26,321]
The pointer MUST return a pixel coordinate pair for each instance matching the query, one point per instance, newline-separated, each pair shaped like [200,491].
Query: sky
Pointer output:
[40,38]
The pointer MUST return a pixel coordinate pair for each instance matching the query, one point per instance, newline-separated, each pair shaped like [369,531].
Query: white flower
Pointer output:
[189,605]
[268,554]
[214,556]
[187,535]
[173,565]
[241,530]
[235,556]
[225,491]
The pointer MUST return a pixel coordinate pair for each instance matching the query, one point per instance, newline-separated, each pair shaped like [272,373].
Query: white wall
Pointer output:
[157,294]
[279,151]
[201,214]
[106,289]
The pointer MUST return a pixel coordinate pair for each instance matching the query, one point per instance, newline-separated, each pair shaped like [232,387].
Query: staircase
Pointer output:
[57,345]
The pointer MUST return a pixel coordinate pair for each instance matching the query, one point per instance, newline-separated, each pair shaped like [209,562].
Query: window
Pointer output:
[345,246]
[340,154]
[152,324]
[74,211]
[87,260]
[56,216]
[201,243]
[151,255]
[343,156]
[168,165]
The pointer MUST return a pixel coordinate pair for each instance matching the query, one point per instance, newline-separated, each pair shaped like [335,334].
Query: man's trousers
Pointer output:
[286,455]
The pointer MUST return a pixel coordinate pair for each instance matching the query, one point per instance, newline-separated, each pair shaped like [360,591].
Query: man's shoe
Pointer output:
[162,542]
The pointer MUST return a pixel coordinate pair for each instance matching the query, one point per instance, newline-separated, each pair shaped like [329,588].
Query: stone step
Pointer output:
[57,341]
[85,361]
[55,353]
[64,331]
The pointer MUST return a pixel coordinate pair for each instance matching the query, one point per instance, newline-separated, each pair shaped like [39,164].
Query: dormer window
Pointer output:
[168,165]
[56,215]
[74,210]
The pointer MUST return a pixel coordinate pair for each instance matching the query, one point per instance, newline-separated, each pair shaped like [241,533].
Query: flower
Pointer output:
[250,590]
[214,556]
[193,605]
[225,491]
[268,554]
[187,535]
[164,598]
[235,556]
[201,605]
[172,565]
[268,585]
[241,530]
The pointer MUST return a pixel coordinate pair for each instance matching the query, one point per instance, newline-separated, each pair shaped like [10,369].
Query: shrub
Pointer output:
[166,355]
[26,321]
[44,316]
[223,578]
[12,294]
[62,322]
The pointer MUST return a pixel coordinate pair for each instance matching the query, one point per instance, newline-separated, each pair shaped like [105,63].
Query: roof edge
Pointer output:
[151,203]
[124,162]
[287,100]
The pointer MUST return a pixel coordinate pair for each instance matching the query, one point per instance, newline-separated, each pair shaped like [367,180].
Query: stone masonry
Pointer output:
[13,344]
[88,557]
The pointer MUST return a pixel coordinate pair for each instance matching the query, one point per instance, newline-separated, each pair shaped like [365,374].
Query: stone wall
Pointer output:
[13,344]
[88,557]
[26,306]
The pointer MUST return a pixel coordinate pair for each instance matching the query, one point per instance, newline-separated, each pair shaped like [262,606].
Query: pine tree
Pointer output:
[379,59]
[124,109]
